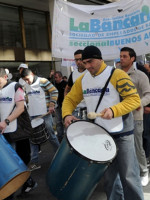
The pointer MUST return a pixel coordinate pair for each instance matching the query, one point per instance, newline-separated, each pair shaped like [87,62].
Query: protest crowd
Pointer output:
[92,116]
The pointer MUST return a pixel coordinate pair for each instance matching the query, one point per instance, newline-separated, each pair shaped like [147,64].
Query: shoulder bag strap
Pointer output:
[104,89]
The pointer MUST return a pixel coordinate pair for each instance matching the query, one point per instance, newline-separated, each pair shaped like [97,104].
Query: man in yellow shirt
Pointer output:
[118,102]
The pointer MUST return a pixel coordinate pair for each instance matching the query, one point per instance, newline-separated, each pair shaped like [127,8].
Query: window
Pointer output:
[10,32]
[35,29]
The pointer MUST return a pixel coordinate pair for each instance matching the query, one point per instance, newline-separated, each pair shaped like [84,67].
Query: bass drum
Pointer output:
[81,161]
[13,171]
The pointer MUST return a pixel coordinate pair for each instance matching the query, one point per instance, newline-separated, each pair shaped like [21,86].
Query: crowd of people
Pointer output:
[124,108]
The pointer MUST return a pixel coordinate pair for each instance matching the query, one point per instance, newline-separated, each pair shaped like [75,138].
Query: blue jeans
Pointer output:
[49,125]
[53,139]
[125,166]
[34,153]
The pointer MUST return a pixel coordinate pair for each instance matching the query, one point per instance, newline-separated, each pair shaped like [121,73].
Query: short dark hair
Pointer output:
[131,52]
[25,72]
[79,51]
[59,73]
[2,72]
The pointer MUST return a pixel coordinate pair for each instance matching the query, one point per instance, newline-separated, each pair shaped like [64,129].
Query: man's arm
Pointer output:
[144,87]
[72,99]
[16,113]
[52,92]
[127,91]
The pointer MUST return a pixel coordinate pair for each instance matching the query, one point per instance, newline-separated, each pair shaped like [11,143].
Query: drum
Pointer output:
[80,162]
[13,171]
[39,135]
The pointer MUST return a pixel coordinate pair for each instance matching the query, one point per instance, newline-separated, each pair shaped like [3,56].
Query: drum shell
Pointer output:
[13,171]
[72,177]
[39,135]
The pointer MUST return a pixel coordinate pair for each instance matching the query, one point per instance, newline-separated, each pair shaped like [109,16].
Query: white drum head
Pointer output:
[36,122]
[91,141]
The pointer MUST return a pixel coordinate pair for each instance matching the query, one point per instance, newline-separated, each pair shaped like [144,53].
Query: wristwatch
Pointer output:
[7,122]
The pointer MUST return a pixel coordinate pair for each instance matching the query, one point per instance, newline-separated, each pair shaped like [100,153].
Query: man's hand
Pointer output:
[107,113]
[52,73]
[51,109]
[3,126]
[146,110]
[138,108]
[67,90]
[69,119]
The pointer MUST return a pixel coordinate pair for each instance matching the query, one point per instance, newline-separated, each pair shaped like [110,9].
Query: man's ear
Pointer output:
[133,59]
[5,76]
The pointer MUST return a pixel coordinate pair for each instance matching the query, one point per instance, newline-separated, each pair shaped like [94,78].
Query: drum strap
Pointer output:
[104,89]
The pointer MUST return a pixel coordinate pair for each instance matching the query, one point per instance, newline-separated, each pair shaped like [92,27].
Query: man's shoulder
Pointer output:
[64,83]
[140,76]
[119,77]
[140,73]
[43,80]
[119,72]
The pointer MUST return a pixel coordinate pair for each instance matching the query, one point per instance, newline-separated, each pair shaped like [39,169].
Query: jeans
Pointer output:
[125,166]
[49,125]
[53,139]
[138,137]
[146,135]
[34,153]
[59,123]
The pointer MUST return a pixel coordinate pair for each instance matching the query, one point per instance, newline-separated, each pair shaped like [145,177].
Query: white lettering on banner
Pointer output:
[130,27]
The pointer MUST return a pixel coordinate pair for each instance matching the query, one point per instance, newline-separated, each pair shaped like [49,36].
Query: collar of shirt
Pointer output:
[101,69]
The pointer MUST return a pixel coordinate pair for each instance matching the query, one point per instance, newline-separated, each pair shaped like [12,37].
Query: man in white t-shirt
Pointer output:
[80,111]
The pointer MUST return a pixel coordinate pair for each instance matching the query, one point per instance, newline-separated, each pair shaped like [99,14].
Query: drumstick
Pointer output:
[41,116]
[93,115]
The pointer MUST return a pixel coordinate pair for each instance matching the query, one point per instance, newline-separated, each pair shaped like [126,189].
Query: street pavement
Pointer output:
[42,191]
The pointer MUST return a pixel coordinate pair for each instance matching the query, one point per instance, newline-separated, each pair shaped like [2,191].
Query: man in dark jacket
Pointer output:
[60,85]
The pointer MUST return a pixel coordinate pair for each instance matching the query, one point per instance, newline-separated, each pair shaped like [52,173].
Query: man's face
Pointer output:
[58,79]
[3,81]
[78,61]
[29,79]
[92,65]
[20,70]
[125,60]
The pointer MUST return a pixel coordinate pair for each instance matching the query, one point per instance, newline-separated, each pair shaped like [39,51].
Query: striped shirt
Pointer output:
[51,93]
